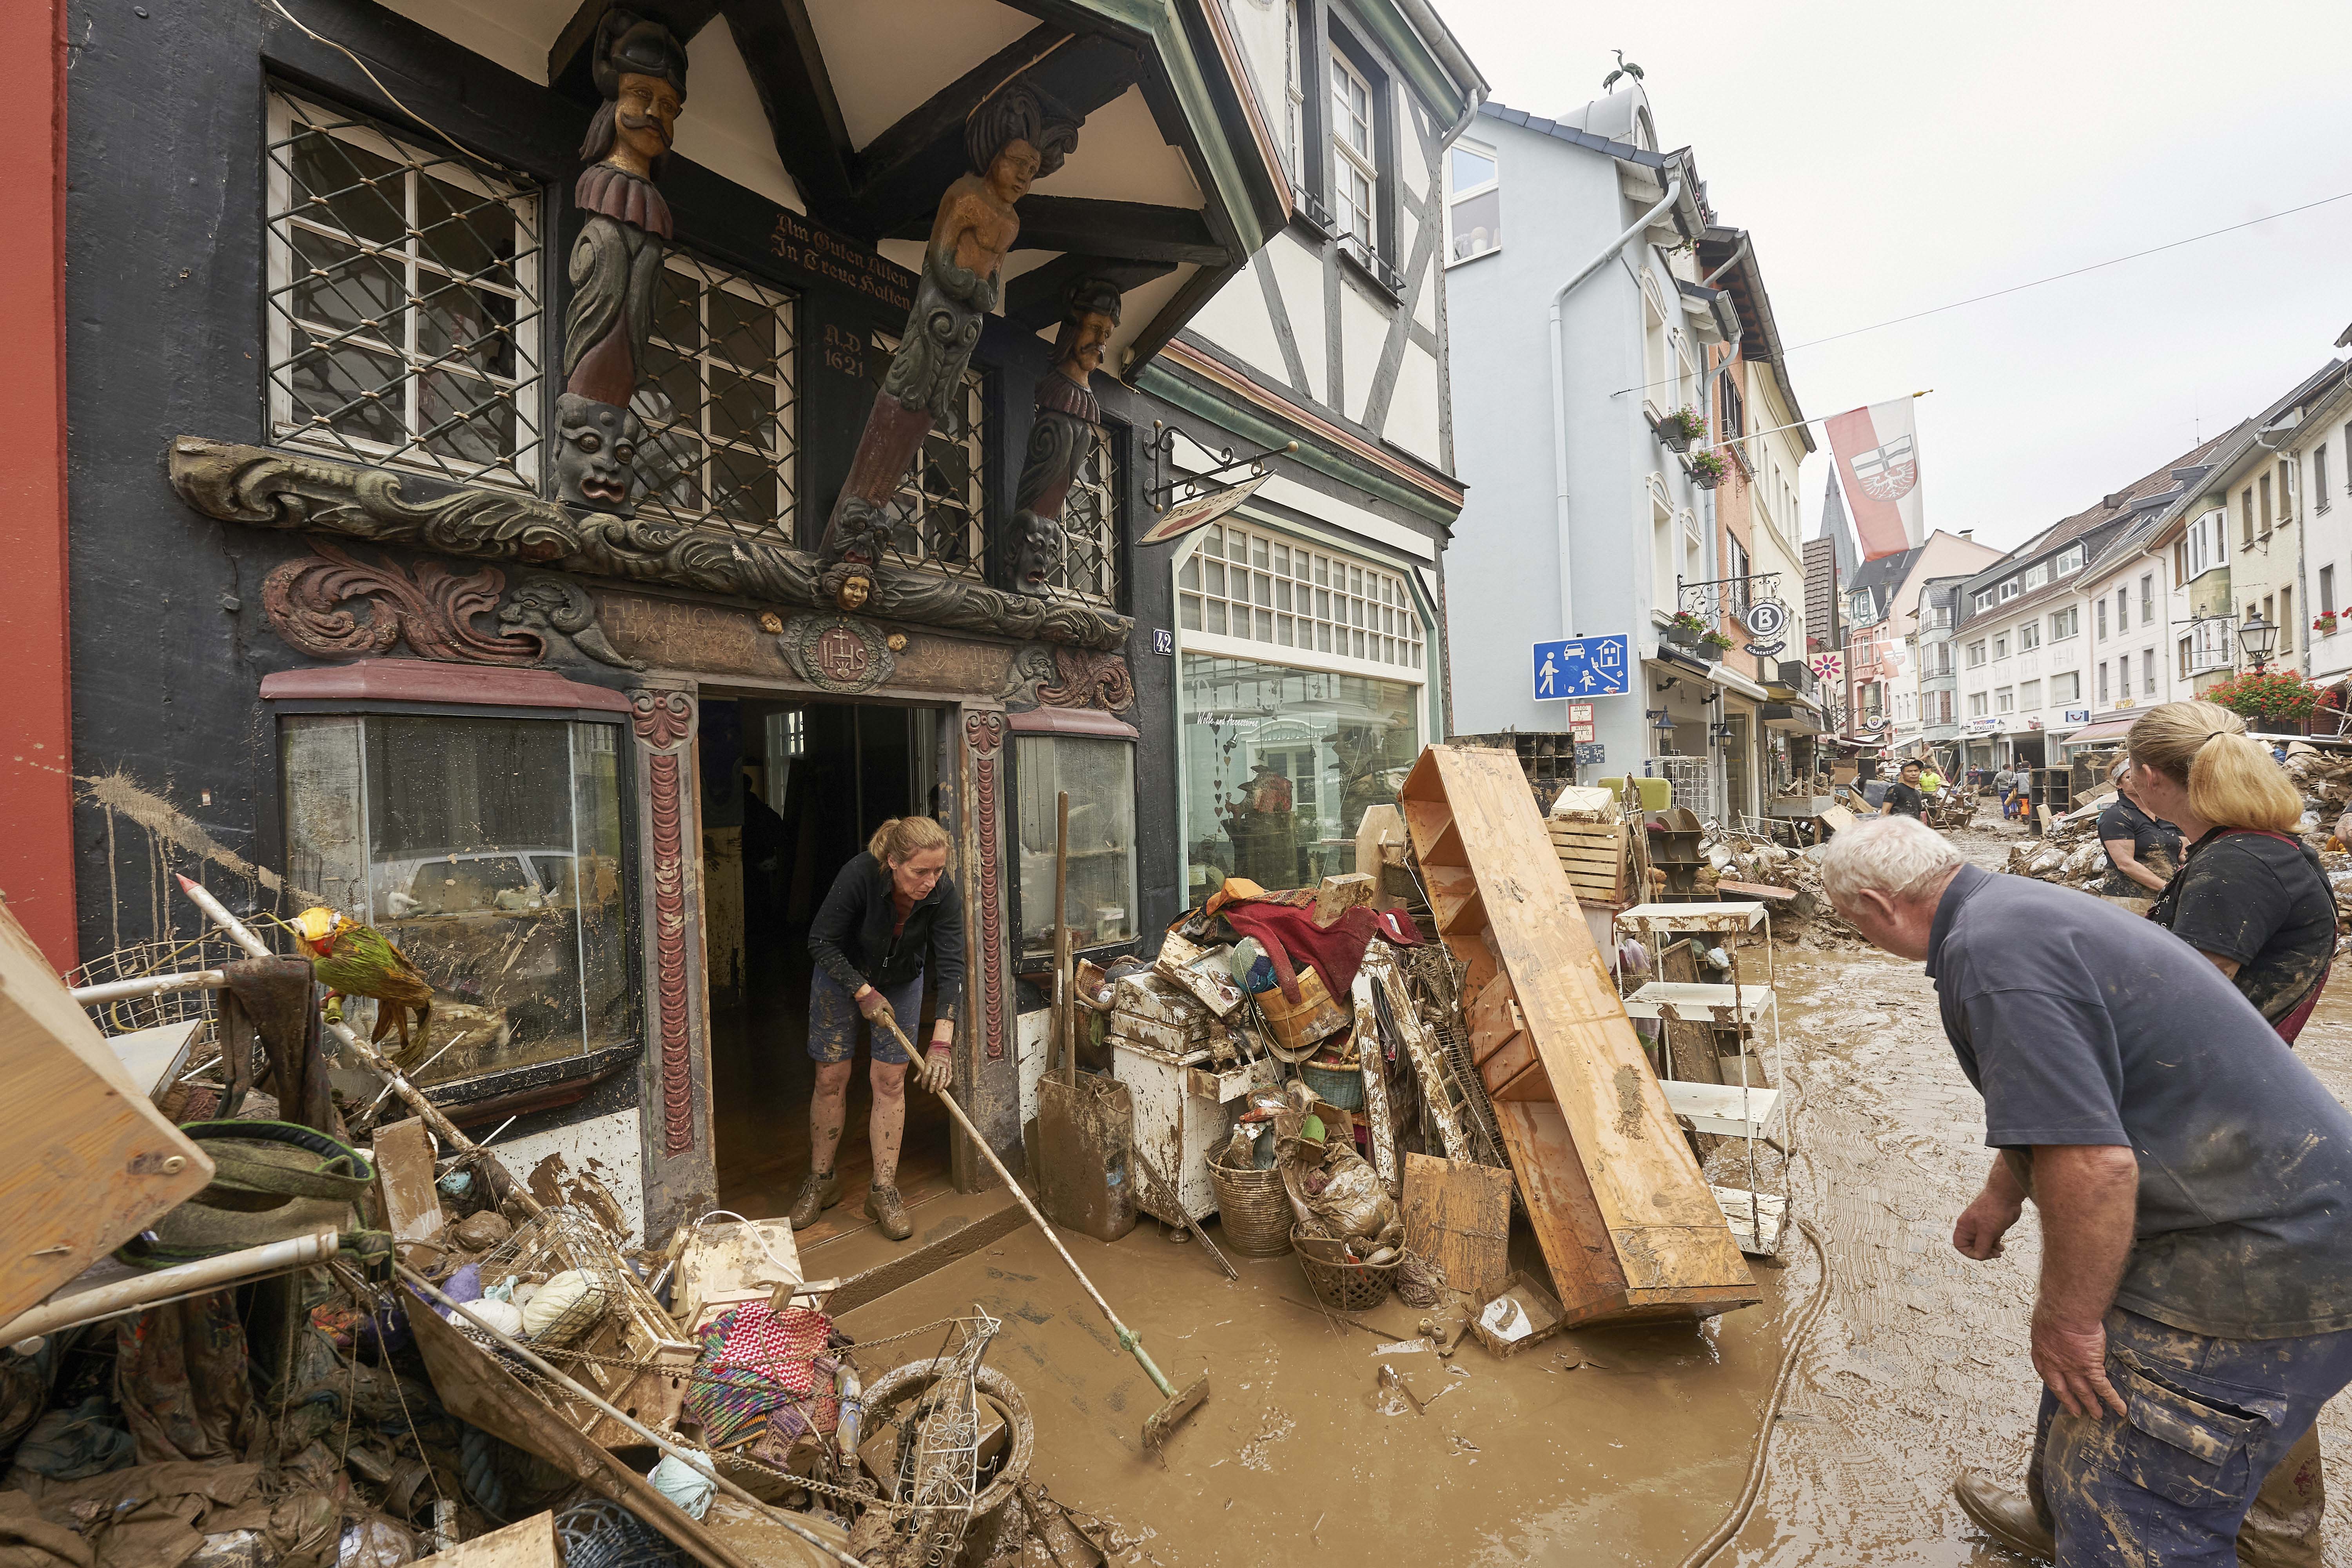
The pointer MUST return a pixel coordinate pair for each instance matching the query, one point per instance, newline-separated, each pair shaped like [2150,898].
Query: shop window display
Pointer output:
[490,849]
[1099,775]
[1280,764]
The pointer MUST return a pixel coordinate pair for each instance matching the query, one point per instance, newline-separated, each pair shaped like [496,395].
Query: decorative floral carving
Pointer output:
[984,733]
[269,489]
[1089,680]
[433,607]
[661,719]
[555,610]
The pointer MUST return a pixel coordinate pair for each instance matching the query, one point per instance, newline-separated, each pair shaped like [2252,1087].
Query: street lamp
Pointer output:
[2257,636]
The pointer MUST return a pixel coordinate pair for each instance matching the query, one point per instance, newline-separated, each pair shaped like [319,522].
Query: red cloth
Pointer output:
[902,905]
[1288,930]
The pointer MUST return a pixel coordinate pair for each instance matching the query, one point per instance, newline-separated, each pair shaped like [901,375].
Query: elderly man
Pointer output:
[2194,1183]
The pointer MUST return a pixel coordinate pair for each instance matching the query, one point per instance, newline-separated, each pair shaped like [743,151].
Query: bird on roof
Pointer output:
[1624,69]
[354,960]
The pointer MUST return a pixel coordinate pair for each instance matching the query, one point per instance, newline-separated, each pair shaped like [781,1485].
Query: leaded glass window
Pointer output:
[719,401]
[403,302]
[938,519]
[1091,521]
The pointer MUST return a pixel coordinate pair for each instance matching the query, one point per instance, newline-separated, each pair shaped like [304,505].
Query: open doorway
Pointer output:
[792,790]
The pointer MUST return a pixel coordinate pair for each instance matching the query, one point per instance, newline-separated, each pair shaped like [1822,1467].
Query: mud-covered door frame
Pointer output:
[988,1076]
[681,1175]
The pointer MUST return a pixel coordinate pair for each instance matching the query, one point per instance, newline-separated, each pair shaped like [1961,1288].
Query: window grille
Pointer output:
[1090,515]
[720,399]
[938,519]
[1243,582]
[403,312]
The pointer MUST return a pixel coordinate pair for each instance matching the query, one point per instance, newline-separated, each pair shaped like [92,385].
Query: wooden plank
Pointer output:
[1514,1056]
[404,1177]
[531,1544]
[1637,1197]
[1340,893]
[93,1164]
[1492,1020]
[1459,1215]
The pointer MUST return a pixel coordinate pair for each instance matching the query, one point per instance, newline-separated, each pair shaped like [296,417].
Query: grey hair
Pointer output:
[1898,856]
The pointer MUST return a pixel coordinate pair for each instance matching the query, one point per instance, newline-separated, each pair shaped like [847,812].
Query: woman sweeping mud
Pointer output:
[892,913]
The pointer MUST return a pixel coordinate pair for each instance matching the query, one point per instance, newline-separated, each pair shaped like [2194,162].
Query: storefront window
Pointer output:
[1099,774]
[1280,764]
[490,850]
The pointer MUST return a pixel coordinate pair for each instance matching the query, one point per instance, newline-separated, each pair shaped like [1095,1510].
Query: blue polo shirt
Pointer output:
[2082,1024]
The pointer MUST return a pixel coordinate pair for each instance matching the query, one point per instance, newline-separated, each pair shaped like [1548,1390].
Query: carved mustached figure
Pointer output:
[1012,139]
[616,262]
[1068,423]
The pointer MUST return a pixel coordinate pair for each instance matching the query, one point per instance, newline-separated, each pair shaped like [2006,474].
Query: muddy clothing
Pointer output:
[2155,845]
[2083,1025]
[834,1020]
[2207,1422]
[857,938]
[2263,900]
[1905,800]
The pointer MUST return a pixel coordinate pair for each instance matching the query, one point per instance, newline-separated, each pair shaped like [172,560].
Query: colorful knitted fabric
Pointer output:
[766,1365]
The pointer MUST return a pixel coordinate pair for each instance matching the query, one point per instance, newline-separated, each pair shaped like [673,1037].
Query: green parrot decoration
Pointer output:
[354,960]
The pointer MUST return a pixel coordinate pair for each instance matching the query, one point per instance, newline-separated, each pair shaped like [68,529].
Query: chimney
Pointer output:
[1968,533]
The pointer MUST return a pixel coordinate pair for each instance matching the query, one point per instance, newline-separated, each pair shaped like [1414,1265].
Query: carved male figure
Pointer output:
[641,70]
[1067,424]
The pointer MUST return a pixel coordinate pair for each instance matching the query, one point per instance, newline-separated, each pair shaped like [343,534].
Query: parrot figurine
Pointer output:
[354,960]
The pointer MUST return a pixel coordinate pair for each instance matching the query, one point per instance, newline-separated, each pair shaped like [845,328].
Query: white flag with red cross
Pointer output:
[1877,453]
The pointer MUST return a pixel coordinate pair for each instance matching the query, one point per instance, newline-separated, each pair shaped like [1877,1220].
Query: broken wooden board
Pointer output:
[726,1263]
[403,1179]
[1619,1203]
[531,1544]
[1593,854]
[105,1163]
[1340,893]
[1458,1216]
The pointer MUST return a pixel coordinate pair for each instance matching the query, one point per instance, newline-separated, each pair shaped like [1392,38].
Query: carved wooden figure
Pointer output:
[1068,423]
[616,262]
[1013,139]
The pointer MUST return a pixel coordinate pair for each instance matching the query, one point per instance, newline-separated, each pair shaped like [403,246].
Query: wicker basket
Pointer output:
[1341,1286]
[1339,1087]
[1254,1209]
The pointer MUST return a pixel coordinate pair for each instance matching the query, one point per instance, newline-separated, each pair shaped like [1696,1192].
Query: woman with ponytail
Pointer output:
[2250,895]
[892,912]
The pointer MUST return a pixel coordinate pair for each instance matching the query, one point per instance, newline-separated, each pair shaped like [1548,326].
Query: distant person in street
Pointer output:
[2143,851]
[2194,1186]
[1903,796]
[2250,895]
[1931,783]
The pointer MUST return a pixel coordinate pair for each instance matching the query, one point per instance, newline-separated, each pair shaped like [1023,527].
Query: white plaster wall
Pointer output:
[722,127]
[1363,330]
[604,1147]
[888,57]
[1235,319]
[1412,409]
[1299,273]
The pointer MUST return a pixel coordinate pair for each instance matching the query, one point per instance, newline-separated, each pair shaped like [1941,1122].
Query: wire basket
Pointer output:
[564,1239]
[144,960]
[600,1533]
[1339,1285]
[1254,1209]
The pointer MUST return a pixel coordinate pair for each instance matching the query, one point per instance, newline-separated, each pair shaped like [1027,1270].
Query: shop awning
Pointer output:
[1790,718]
[2106,729]
[1732,680]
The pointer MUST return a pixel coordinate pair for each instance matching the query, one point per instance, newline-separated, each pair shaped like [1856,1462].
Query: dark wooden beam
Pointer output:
[568,58]
[779,46]
[1034,300]
[1132,231]
[902,172]
[1196,291]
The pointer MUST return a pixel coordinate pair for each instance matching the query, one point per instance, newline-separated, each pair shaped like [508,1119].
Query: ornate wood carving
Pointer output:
[1089,680]
[269,489]
[662,719]
[835,653]
[433,608]
[1063,436]
[984,733]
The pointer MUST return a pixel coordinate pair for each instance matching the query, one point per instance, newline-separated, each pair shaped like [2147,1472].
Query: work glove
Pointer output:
[875,1008]
[938,1069]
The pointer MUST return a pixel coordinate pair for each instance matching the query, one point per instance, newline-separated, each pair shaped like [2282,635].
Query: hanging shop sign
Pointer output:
[1765,620]
[1200,510]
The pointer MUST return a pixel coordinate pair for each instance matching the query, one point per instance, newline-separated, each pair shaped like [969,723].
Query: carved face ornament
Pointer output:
[1036,554]
[646,115]
[593,458]
[1013,171]
[854,592]
[1087,350]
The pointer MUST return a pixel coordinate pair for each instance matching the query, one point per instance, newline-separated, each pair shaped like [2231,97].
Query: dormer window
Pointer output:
[2069,560]
[2009,591]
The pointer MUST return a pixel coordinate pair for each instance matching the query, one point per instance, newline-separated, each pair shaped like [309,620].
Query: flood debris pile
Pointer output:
[2068,852]
[277,1342]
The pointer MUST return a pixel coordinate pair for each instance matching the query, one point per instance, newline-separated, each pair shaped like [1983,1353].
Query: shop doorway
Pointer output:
[793,790]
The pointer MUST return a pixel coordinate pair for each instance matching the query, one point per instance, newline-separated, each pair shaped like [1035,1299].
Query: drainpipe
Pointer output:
[1559,391]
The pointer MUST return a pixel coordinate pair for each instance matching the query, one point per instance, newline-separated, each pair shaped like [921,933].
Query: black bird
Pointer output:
[1624,69]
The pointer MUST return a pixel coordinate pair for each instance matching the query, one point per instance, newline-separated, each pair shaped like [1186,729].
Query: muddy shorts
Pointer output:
[834,1021]
[2209,1419]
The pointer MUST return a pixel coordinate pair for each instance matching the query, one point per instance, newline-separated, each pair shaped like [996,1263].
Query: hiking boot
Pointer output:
[820,1192]
[2005,1513]
[882,1203]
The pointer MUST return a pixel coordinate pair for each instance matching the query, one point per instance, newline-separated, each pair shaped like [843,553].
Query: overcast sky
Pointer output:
[1892,158]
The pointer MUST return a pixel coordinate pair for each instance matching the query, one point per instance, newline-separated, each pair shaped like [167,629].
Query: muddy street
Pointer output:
[1919,1364]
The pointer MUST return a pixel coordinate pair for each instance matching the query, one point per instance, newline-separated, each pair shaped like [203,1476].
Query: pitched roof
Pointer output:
[1624,151]
[1837,529]
[1731,252]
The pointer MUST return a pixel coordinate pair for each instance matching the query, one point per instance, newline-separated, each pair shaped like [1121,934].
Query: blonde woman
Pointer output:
[2250,894]
[892,913]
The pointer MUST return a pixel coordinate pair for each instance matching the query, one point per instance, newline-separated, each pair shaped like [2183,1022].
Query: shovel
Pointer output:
[1175,1406]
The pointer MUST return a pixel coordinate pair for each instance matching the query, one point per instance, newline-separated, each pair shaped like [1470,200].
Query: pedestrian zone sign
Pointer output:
[1581,667]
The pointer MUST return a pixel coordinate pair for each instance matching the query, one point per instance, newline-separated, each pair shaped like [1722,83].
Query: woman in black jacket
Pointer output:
[892,913]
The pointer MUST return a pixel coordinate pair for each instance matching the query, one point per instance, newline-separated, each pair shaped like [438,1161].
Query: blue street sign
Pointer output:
[1581,667]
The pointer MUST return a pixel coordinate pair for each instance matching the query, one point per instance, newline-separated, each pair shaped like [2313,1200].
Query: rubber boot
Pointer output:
[820,1192]
[2005,1514]
[882,1204]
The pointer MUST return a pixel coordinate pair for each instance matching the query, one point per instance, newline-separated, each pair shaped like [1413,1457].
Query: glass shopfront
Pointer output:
[1280,764]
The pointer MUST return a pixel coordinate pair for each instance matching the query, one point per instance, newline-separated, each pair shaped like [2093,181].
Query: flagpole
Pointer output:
[1775,430]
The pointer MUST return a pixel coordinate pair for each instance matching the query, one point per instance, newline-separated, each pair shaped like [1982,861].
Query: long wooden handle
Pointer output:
[1062,1030]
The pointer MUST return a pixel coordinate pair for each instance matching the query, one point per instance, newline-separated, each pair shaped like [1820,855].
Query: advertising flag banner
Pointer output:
[1877,452]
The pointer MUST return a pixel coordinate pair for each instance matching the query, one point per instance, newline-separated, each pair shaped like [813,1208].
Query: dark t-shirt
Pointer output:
[2263,900]
[2082,1024]
[1904,798]
[2154,844]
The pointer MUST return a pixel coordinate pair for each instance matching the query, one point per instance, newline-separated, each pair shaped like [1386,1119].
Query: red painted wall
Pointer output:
[37,754]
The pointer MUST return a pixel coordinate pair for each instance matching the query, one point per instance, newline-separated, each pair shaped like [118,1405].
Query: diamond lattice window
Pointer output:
[1090,523]
[938,519]
[719,400]
[403,309]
